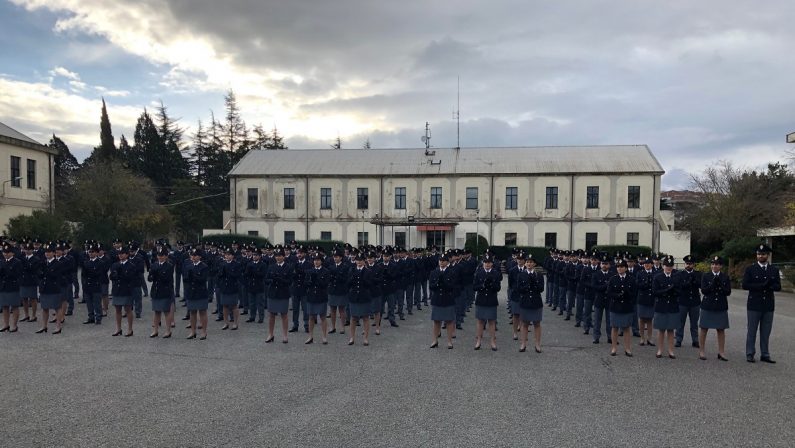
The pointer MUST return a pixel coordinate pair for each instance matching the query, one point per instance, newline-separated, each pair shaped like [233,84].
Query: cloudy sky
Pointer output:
[698,81]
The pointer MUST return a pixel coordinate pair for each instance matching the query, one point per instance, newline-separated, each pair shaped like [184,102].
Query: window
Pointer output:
[472,198]
[510,239]
[633,238]
[361,238]
[435,238]
[325,236]
[436,197]
[592,197]
[511,198]
[31,174]
[550,239]
[253,195]
[289,235]
[15,173]
[325,198]
[289,198]
[361,198]
[400,198]
[253,233]
[591,240]
[633,196]
[552,198]
[400,239]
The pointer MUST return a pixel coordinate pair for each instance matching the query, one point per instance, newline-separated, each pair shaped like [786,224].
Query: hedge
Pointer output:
[326,245]
[504,252]
[226,239]
[634,250]
[479,248]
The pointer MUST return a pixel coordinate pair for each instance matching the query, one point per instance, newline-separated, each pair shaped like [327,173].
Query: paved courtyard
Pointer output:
[86,388]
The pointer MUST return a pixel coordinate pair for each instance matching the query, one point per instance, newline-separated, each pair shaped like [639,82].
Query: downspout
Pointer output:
[491,213]
[51,178]
[234,214]
[306,201]
[571,214]
[380,229]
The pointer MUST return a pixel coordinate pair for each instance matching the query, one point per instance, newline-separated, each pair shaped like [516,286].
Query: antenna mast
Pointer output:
[457,116]
[427,137]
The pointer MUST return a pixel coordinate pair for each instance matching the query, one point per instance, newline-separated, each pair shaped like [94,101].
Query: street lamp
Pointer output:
[477,231]
[13,179]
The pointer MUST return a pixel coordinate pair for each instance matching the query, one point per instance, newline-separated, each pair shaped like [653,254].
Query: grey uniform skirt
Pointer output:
[718,320]
[621,320]
[360,309]
[162,305]
[228,299]
[645,312]
[515,308]
[666,321]
[28,292]
[122,300]
[278,306]
[195,305]
[375,305]
[529,315]
[443,313]
[486,312]
[10,299]
[50,301]
[317,309]
[337,300]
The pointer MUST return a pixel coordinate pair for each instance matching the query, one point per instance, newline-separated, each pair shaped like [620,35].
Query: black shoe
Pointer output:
[332,331]
[401,317]
[678,344]
[124,316]
[81,301]
[219,319]
[243,313]
[767,359]
[186,318]
[97,322]
[293,330]
[459,327]
[560,313]
[89,321]
[577,325]
[41,330]
[587,330]
[251,319]
[567,318]
[410,313]
[393,323]
[137,315]
[215,312]
[722,358]
[695,344]
[68,313]
[259,321]
[434,345]
[595,341]
[636,334]
[750,358]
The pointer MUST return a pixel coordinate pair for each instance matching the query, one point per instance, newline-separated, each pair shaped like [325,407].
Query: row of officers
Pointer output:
[649,294]
[359,286]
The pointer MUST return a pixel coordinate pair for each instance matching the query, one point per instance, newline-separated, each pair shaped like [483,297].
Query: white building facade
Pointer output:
[566,197]
[26,173]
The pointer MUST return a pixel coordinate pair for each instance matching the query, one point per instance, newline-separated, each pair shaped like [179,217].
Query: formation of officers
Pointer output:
[369,285]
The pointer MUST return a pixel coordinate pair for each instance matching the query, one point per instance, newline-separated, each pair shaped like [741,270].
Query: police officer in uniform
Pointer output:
[317,281]
[529,286]
[124,274]
[601,301]
[666,307]
[358,281]
[10,272]
[761,280]
[442,284]
[254,277]
[91,275]
[280,278]
[487,283]
[161,274]
[622,290]
[716,287]
[197,294]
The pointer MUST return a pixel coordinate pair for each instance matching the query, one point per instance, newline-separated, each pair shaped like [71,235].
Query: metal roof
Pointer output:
[13,133]
[449,161]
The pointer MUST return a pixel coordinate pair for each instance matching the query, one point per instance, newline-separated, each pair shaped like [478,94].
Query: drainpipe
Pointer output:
[234,214]
[571,214]
[491,213]
[306,201]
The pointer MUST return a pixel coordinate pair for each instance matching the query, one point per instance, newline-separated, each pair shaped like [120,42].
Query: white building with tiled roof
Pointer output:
[567,197]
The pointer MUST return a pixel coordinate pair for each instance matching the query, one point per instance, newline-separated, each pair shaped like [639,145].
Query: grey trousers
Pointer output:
[550,288]
[579,308]
[761,321]
[598,311]
[684,312]
[587,311]
[93,305]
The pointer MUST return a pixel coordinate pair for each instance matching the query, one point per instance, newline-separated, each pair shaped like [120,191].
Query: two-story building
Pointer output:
[26,173]
[567,197]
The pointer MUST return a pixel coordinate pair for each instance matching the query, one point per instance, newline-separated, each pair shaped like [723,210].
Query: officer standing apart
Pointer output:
[761,280]
[688,284]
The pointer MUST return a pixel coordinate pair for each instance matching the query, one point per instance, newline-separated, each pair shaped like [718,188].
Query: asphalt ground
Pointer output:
[86,388]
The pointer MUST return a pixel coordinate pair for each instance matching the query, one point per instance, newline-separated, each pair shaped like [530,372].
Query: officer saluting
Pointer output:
[761,280]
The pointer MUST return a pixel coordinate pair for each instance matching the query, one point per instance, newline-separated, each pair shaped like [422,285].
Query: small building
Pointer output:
[566,197]
[27,175]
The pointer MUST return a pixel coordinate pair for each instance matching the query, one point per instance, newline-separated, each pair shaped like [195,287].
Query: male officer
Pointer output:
[93,270]
[549,267]
[298,289]
[254,276]
[178,259]
[688,287]
[572,281]
[586,276]
[601,302]
[141,262]
[761,280]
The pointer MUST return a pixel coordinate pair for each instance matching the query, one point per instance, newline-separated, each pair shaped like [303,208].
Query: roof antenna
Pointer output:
[427,140]
[457,116]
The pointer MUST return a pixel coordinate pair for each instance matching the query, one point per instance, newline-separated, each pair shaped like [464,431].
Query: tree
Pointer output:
[107,147]
[110,201]
[192,212]
[276,140]
[41,224]
[235,134]
[65,167]
[366,144]
[337,143]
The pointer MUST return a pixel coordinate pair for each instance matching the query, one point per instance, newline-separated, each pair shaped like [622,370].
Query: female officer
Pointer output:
[358,284]
[716,288]
[622,290]
[666,307]
[279,277]
[50,296]
[338,291]
[645,278]
[196,294]
[229,273]
[317,280]
[31,272]
[124,274]
[487,283]
[10,272]
[530,285]
[161,274]
[442,283]
[376,298]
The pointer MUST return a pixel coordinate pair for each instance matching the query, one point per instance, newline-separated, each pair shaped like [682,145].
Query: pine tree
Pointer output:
[174,163]
[276,140]
[337,144]
[125,151]
[235,134]
[66,167]
[366,144]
